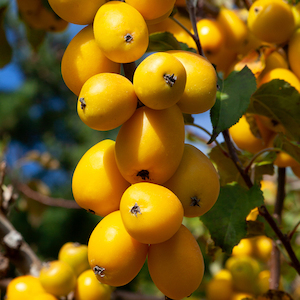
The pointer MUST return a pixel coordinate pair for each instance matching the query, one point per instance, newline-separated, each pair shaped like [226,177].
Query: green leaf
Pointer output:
[5,49]
[279,101]
[226,220]
[162,41]
[287,146]
[185,47]
[233,99]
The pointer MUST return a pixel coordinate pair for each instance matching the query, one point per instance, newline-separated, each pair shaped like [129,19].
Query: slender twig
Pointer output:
[283,238]
[182,26]
[192,13]
[275,255]
[291,234]
[34,195]
[17,250]
[235,158]
[207,132]
[263,211]
[256,155]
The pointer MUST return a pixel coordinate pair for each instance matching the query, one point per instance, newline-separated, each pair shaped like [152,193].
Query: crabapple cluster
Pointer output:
[266,39]
[70,273]
[146,181]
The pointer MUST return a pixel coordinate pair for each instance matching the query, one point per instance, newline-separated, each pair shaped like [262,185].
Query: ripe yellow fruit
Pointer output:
[263,282]
[106,101]
[271,21]
[82,59]
[176,266]
[277,59]
[244,271]
[159,80]
[150,212]
[121,32]
[76,11]
[24,287]
[115,257]
[57,278]
[75,255]
[244,247]
[153,9]
[245,139]
[149,146]
[234,29]
[201,84]
[211,36]
[296,170]
[242,296]
[97,184]
[89,288]
[263,247]
[219,289]
[43,296]
[195,182]
[281,73]
[293,52]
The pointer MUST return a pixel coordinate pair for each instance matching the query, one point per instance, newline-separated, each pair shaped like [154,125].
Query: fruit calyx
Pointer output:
[195,201]
[144,174]
[99,271]
[128,38]
[170,79]
[135,210]
[82,103]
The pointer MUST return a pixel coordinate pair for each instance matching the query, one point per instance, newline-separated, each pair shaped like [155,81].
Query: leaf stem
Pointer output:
[182,26]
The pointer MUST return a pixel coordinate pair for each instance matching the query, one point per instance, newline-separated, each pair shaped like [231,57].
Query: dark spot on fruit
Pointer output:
[195,201]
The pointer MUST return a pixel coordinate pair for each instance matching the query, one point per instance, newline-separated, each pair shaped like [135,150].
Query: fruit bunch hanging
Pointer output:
[146,181]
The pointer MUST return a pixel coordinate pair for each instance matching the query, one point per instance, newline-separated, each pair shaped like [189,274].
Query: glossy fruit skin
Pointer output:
[219,289]
[75,255]
[159,80]
[281,73]
[98,165]
[195,182]
[57,278]
[235,30]
[245,139]
[44,296]
[152,9]
[246,246]
[150,212]
[201,83]
[176,266]
[106,101]
[82,59]
[76,11]
[271,20]
[211,35]
[293,52]
[89,288]
[164,131]
[121,32]
[244,271]
[277,59]
[24,287]
[112,248]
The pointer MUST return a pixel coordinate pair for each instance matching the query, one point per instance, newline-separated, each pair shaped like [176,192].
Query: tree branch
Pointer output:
[17,250]
[59,202]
